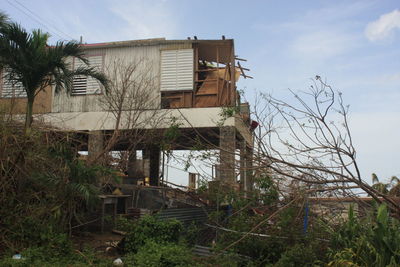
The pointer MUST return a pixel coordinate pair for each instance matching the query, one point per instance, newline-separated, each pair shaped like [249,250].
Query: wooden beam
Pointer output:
[233,74]
[241,59]
[217,68]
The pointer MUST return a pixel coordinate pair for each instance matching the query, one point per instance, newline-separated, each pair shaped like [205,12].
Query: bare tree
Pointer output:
[133,102]
[309,140]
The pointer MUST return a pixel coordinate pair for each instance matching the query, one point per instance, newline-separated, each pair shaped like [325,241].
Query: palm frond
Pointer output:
[375,178]
[394,179]
[4,20]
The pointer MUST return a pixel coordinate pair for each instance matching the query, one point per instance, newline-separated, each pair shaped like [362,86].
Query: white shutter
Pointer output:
[177,70]
[87,85]
[11,89]
[93,86]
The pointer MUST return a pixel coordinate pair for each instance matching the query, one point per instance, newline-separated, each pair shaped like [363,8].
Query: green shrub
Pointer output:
[374,241]
[150,228]
[45,189]
[156,254]
[297,256]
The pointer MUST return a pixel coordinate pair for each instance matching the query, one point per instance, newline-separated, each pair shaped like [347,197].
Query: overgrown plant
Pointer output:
[28,61]
[372,241]
[150,228]
[45,189]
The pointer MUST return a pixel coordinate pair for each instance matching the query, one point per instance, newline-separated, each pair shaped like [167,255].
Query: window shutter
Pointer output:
[177,70]
[87,85]
[11,89]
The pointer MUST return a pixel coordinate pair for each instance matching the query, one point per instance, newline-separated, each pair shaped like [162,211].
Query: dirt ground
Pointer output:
[103,243]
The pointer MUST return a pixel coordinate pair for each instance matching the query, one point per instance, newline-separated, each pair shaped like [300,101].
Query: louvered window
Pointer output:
[10,89]
[177,70]
[83,85]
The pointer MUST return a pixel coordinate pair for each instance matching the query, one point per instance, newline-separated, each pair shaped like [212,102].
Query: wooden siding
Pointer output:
[64,102]
[42,103]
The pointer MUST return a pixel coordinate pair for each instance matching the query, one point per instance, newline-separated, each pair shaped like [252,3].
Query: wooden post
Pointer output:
[233,78]
[102,214]
[196,74]
[192,181]
[217,69]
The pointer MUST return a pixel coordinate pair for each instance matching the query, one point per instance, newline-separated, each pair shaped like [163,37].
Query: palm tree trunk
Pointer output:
[29,112]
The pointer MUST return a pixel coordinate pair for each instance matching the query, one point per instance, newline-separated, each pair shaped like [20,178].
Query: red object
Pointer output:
[253,125]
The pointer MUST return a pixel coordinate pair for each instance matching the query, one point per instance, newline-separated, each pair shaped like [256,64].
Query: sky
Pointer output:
[354,45]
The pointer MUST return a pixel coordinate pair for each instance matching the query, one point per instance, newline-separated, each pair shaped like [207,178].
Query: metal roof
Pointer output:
[156,41]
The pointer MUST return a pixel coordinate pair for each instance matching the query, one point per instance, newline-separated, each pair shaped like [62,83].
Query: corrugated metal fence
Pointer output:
[186,215]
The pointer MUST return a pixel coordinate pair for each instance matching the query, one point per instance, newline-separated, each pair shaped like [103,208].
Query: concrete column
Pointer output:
[95,144]
[151,164]
[227,145]
[146,162]
[135,171]
[154,165]
[249,169]
[243,167]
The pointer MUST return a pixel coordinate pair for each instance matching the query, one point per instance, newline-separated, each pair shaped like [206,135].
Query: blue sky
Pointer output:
[353,44]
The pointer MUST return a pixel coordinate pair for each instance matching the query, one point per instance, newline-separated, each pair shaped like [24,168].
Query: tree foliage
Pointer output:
[30,62]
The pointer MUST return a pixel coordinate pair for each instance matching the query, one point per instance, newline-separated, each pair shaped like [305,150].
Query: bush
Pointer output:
[150,228]
[368,242]
[297,256]
[45,188]
[156,254]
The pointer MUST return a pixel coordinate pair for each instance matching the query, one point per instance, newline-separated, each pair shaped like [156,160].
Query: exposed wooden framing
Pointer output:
[233,74]
[206,70]
[213,86]
[196,73]
[206,80]
[242,71]
[225,81]
[241,59]
[241,67]
[217,73]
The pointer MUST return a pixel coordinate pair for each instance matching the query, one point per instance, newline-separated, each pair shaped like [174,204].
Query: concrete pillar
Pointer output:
[192,181]
[146,162]
[135,168]
[249,168]
[227,145]
[95,144]
[243,167]
[155,166]
[151,164]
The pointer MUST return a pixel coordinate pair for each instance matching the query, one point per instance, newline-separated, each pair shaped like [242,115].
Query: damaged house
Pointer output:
[189,82]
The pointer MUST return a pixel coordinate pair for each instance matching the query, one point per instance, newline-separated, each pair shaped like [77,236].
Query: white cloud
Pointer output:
[323,44]
[384,27]
[145,19]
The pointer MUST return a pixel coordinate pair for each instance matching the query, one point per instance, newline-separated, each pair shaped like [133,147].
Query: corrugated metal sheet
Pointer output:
[151,54]
[186,215]
[177,70]
[202,251]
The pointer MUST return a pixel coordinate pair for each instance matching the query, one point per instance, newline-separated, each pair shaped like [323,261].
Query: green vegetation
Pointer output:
[30,62]
[372,241]
[45,188]
[47,193]
[151,229]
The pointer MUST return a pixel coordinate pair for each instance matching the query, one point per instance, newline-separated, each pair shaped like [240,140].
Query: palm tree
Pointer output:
[378,186]
[35,65]
[3,19]
[395,190]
